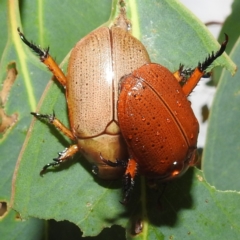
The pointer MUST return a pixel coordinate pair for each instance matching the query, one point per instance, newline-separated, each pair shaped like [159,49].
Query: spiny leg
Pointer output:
[53,120]
[46,59]
[200,70]
[68,152]
[128,178]
[61,78]
[117,163]
[188,78]
[62,156]
[182,74]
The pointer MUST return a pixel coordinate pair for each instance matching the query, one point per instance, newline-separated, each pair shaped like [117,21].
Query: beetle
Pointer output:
[126,114]
[96,64]
[157,121]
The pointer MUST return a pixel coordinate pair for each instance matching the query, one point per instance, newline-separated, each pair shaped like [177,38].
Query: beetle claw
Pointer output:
[49,117]
[44,169]
[111,164]
[56,162]
[117,163]
[95,169]
[34,114]
[42,53]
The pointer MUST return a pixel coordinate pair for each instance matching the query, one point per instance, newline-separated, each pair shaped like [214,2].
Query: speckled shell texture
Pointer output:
[96,64]
[157,122]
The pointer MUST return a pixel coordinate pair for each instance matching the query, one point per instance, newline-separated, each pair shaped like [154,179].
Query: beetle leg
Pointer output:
[178,74]
[68,152]
[182,75]
[56,123]
[117,163]
[128,180]
[46,59]
[199,71]
[62,156]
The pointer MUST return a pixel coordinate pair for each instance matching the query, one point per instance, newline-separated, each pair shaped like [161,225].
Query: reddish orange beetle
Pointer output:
[157,121]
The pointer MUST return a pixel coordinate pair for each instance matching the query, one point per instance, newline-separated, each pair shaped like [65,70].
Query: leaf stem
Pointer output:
[144,208]
[14,23]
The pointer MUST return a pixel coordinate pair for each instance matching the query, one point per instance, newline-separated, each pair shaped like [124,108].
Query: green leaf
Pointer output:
[11,227]
[3,25]
[221,155]
[172,35]
[231,27]
[22,97]
[13,122]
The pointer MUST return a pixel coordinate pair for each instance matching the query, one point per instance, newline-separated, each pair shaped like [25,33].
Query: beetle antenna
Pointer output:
[42,53]
[212,57]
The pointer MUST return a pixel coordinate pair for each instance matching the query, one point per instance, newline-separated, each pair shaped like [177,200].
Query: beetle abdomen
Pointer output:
[157,121]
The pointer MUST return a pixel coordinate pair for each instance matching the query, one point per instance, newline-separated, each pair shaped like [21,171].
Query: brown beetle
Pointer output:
[96,64]
[157,121]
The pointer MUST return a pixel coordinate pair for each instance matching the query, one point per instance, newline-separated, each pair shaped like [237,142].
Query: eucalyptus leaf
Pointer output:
[231,26]
[221,159]
[172,35]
